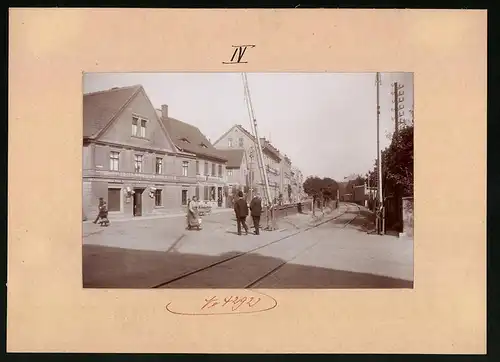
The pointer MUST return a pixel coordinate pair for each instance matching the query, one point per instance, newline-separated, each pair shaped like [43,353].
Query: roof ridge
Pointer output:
[114,89]
[119,110]
[209,149]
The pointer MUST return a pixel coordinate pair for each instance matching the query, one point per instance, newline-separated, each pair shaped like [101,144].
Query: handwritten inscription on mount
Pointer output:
[247,302]
[238,54]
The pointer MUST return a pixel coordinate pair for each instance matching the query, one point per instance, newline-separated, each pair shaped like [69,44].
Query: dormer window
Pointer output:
[185,140]
[203,145]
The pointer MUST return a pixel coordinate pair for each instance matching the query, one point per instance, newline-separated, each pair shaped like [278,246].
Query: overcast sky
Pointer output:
[325,122]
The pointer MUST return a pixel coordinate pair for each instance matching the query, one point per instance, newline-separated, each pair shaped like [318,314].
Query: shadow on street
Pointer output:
[364,221]
[107,267]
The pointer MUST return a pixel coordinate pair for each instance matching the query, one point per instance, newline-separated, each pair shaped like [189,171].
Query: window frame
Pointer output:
[160,163]
[135,125]
[113,159]
[139,126]
[158,192]
[185,166]
[137,157]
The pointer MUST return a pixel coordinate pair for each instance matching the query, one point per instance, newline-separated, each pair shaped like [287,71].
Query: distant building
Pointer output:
[286,177]
[362,194]
[238,176]
[208,165]
[297,182]
[238,137]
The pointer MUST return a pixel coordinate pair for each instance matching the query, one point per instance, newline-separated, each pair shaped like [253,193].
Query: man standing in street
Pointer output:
[256,211]
[241,211]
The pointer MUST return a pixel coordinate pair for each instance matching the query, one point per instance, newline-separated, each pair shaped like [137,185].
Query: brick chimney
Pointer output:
[164,111]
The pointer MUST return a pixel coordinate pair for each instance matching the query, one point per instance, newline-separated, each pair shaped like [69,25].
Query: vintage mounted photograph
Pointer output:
[247,180]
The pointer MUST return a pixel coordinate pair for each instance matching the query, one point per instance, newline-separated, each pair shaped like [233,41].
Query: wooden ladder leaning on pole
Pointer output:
[271,217]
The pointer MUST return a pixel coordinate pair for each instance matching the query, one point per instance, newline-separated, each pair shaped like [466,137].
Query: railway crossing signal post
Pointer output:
[271,225]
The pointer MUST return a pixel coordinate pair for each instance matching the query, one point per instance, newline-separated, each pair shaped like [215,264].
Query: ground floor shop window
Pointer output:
[184,197]
[158,201]
[114,202]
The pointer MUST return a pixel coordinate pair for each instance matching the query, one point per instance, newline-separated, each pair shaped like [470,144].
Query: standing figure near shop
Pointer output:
[256,211]
[101,201]
[193,215]
[241,211]
[102,213]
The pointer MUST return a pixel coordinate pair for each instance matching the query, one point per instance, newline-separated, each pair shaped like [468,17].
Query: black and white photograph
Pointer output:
[248,180]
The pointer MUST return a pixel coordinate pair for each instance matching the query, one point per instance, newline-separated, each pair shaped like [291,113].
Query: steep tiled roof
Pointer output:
[263,142]
[234,157]
[189,138]
[99,108]
[271,149]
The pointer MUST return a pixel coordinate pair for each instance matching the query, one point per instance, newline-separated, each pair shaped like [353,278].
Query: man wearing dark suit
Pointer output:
[241,211]
[256,211]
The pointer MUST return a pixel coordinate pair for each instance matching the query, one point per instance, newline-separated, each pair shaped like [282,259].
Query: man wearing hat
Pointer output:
[256,211]
[241,211]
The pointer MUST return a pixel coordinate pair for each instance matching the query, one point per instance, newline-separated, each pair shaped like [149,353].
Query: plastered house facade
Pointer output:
[129,157]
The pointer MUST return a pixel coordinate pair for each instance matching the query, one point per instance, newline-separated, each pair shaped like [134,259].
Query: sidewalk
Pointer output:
[166,215]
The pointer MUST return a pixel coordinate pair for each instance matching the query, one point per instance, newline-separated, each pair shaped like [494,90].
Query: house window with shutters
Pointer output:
[220,170]
[114,161]
[230,143]
[197,167]
[240,142]
[205,193]
[213,169]
[185,165]
[206,168]
[159,166]
[230,172]
[138,163]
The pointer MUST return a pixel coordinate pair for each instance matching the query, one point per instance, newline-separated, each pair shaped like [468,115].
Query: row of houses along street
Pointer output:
[142,161]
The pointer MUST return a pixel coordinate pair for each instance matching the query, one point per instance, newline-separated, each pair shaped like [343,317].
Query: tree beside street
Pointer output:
[321,189]
[397,164]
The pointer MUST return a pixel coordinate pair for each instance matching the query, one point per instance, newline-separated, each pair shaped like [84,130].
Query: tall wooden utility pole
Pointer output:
[396,109]
[380,213]
[260,156]
[250,176]
[398,94]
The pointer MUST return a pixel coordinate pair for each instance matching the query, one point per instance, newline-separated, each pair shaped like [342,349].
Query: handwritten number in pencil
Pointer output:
[212,302]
